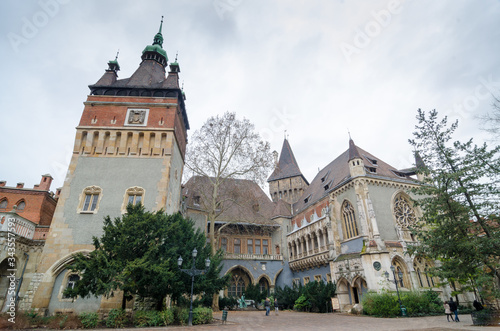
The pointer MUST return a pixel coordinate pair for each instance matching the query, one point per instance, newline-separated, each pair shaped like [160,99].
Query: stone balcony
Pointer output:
[17,224]
[314,258]
[263,257]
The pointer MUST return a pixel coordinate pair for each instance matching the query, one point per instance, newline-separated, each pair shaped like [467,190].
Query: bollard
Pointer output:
[224,316]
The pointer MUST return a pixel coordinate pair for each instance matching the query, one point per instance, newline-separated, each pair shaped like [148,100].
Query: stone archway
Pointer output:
[240,279]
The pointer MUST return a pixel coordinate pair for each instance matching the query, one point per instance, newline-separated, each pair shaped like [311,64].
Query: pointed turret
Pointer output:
[111,74]
[356,164]
[287,182]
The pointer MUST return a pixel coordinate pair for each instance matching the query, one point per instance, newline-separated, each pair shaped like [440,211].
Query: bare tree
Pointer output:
[226,148]
[491,120]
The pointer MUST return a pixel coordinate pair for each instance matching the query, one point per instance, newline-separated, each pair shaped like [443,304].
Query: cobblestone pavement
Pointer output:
[291,321]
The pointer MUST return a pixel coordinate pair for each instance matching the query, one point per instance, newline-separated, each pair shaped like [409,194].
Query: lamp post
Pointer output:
[193,272]
[396,280]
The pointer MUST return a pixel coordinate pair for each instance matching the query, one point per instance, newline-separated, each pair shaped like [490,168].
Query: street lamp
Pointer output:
[400,280]
[193,272]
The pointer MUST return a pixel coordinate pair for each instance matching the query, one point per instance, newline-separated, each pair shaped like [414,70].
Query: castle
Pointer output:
[349,225]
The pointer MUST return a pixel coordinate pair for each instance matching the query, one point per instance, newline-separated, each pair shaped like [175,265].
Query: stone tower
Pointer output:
[287,182]
[129,148]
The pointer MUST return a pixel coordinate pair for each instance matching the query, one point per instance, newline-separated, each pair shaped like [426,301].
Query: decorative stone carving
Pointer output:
[136,116]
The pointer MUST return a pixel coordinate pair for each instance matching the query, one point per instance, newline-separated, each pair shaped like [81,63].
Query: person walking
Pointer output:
[267,305]
[447,311]
[454,309]
[276,306]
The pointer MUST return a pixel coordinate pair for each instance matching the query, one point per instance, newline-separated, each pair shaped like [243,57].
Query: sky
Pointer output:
[317,69]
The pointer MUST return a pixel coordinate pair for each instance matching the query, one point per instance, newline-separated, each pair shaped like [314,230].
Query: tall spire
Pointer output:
[155,51]
[158,40]
[287,165]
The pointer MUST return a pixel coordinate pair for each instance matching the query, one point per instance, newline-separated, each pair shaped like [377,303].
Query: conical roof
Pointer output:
[287,165]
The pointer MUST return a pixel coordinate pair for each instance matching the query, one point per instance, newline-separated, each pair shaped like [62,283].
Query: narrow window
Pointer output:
[223,244]
[349,221]
[257,246]
[237,246]
[265,249]
[3,204]
[72,280]
[250,246]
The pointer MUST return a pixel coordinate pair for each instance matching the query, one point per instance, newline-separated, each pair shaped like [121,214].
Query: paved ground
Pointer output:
[292,321]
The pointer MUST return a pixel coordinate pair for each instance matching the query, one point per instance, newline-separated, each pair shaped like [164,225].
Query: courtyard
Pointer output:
[290,321]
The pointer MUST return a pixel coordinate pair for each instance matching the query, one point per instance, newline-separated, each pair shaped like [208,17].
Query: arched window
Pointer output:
[349,221]
[3,203]
[134,196]
[264,286]
[404,213]
[238,283]
[89,199]
[405,217]
[399,266]
[21,205]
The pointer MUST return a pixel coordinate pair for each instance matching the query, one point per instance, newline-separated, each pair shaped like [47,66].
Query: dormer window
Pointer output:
[325,177]
[196,200]
[371,160]
[327,185]
[372,170]
[306,200]
[398,173]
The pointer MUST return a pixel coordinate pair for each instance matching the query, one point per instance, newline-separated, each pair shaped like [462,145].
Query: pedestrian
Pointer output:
[447,311]
[276,306]
[478,305]
[267,305]
[454,309]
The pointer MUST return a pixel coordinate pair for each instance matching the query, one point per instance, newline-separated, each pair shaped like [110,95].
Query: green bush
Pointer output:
[202,315]
[168,316]
[181,315]
[383,304]
[318,294]
[148,318]
[386,304]
[302,303]
[229,302]
[89,320]
[117,318]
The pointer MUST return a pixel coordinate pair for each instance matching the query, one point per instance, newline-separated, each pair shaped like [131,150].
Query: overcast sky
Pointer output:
[317,69]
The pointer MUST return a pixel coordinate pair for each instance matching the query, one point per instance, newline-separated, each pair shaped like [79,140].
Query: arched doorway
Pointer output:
[264,285]
[5,294]
[238,283]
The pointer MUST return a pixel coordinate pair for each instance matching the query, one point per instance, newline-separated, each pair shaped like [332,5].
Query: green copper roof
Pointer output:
[157,43]
[155,48]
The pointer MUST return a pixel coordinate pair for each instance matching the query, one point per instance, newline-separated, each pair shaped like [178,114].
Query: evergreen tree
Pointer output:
[459,200]
[138,253]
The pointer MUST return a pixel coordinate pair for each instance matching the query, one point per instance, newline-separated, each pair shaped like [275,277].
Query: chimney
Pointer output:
[20,185]
[45,182]
[3,183]
[58,192]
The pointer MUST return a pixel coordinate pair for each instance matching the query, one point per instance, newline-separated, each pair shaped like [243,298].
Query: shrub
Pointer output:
[148,318]
[302,303]
[202,315]
[116,318]
[380,304]
[89,320]
[229,302]
[386,304]
[168,316]
[181,315]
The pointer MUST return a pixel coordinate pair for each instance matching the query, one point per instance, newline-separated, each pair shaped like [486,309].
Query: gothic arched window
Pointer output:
[404,213]
[349,221]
